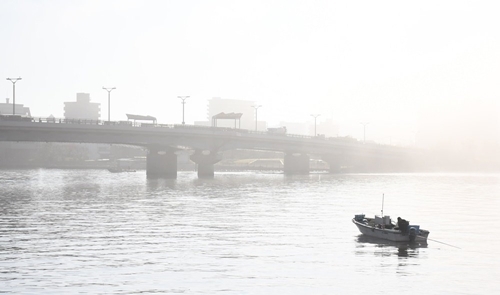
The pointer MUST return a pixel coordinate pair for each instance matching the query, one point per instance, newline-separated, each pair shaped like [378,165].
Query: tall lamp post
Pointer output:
[14,80]
[109,100]
[315,116]
[256,110]
[183,103]
[364,130]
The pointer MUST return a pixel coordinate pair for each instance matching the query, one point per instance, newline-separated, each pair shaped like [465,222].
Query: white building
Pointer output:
[7,109]
[82,108]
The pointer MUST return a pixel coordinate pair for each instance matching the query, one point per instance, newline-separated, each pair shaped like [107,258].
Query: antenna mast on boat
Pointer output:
[382,211]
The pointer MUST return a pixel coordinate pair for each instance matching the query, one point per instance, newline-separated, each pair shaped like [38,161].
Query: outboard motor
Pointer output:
[412,234]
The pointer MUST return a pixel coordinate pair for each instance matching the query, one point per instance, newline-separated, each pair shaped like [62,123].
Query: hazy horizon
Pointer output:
[423,72]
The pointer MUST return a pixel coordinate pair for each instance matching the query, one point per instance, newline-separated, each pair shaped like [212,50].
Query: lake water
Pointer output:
[95,232]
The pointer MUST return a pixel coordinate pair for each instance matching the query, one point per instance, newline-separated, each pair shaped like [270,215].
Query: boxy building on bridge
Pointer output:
[82,108]
[7,109]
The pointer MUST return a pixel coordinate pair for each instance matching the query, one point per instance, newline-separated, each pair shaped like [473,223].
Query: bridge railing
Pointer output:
[178,126]
[75,121]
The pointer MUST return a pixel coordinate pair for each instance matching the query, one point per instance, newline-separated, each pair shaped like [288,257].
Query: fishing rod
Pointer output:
[444,243]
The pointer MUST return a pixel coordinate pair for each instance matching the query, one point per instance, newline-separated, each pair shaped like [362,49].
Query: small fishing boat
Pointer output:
[384,228]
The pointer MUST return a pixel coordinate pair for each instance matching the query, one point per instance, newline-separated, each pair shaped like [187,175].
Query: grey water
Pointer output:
[95,232]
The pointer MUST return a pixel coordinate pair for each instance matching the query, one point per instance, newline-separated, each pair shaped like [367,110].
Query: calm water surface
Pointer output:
[94,232]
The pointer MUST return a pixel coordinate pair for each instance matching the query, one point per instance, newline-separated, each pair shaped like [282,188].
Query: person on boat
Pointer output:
[403,225]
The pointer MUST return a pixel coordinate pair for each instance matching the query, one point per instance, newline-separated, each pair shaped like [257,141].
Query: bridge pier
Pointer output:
[205,161]
[296,163]
[161,162]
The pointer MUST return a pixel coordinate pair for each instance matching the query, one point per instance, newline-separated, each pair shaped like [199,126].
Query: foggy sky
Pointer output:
[423,72]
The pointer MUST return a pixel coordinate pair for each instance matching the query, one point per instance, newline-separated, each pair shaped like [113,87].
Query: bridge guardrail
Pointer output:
[53,120]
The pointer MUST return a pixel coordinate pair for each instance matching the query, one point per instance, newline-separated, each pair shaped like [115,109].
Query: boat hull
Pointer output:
[390,234]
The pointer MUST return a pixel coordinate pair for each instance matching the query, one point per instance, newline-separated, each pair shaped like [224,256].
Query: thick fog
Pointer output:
[422,74]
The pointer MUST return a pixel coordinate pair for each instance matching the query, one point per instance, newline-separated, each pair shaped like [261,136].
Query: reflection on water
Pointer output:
[155,184]
[365,244]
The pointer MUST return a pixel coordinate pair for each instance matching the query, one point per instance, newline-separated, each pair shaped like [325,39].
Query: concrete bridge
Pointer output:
[162,141]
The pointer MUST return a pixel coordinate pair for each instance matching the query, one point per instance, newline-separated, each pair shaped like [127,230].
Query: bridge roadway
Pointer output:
[163,141]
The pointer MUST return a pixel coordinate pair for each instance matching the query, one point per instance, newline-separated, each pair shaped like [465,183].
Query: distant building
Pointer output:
[7,108]
[326,128]
[295,127]
[82,108]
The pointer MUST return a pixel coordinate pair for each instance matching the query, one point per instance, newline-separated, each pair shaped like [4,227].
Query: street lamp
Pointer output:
[315,116]
[14,80]
[109,100]
[256,109]
[183,103]
[364,130]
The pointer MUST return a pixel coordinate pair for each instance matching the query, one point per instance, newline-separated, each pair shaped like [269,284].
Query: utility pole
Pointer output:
[315,116]
[14,80]
[256,109]
[183,103]
[364,130]
[109,100]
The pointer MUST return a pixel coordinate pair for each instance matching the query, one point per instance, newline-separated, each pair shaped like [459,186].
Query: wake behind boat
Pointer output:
[384,228]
